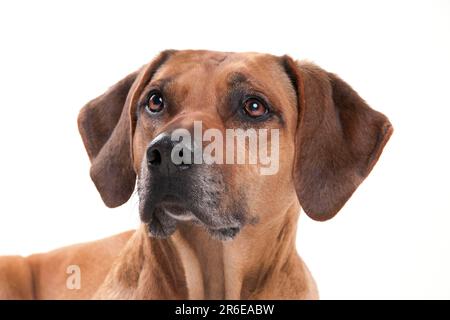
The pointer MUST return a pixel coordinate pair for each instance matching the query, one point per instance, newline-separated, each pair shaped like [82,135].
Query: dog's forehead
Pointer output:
[214,64]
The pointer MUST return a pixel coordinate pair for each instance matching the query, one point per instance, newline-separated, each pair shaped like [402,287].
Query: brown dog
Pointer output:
[329,140]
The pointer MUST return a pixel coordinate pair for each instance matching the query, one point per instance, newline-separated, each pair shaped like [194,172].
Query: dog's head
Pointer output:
[226,139]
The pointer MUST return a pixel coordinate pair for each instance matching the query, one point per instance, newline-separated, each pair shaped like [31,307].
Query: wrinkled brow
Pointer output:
[237,79]
[161,83]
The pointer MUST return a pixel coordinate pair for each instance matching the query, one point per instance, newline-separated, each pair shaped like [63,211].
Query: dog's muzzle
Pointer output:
[172,191]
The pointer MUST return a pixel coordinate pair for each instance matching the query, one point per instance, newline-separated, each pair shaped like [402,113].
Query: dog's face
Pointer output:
[220,91]
[325,138]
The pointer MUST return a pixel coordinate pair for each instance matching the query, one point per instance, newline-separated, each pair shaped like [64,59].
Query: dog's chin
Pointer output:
[166,216]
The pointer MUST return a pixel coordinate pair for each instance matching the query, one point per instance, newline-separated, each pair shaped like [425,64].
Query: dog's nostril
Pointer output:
[154,158]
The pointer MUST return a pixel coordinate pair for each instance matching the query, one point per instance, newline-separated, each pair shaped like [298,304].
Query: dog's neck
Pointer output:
[238,268]
[260,261]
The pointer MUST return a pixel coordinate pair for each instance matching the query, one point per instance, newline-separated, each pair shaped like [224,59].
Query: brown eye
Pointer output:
[255,108]
[155,103]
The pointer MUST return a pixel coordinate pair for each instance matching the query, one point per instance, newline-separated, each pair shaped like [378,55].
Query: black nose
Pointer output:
[159,155]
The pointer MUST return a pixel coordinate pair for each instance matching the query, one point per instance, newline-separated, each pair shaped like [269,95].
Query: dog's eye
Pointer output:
[155,103]
[254,108]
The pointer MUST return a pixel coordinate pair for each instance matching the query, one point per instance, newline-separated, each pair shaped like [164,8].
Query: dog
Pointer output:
[210,231]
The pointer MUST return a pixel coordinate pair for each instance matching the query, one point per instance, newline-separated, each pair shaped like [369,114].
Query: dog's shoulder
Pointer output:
[16,279]
[72,272]
[76,271]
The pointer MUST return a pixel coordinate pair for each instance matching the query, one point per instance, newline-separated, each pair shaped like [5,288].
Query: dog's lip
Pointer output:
[180,213]
[174,208]
[174,205]
[184,216]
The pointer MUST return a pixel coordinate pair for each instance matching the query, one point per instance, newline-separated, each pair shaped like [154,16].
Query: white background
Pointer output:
[392,239]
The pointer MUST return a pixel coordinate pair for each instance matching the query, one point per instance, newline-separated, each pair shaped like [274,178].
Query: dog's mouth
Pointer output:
[174,208]
[171,210]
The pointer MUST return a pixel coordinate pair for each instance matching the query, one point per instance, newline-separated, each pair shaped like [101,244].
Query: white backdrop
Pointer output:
[391,240]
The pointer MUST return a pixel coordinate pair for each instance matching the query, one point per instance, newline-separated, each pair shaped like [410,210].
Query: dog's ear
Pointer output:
[106,125]
[339,139]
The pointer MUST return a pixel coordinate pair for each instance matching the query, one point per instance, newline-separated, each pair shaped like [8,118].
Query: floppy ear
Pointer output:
[106,125]
[339,139]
